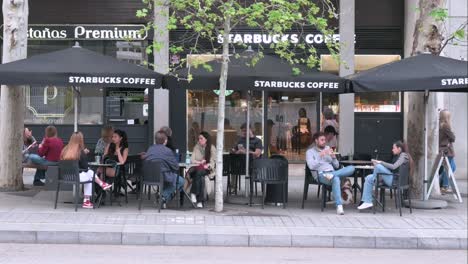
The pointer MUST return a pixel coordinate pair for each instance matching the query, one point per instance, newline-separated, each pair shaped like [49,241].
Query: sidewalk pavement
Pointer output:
[29,217]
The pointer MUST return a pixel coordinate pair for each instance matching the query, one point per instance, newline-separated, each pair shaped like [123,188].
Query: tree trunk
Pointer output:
[221,105]
[427,37]
[15,25]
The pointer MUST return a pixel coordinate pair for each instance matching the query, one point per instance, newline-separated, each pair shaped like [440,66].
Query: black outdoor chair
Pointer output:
[132,171]
[310,179]
[235,169]
[115,189]
[151,176]
[69,174]
[268,171]
[284,169]
[400,185]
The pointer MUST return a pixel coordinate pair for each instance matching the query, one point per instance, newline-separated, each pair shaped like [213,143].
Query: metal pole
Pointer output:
[426,101]
[75,106]
[247,147]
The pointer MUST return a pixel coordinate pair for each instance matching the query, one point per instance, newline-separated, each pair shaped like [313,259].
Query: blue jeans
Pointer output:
[36,159]
[370,181]
[336,181]
[169,188]
[444,181]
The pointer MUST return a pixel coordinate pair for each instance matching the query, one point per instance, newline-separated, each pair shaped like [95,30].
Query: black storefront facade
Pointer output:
[104,27]
[275,115]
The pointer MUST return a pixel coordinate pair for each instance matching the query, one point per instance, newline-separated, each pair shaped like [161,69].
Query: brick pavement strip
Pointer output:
[365,231]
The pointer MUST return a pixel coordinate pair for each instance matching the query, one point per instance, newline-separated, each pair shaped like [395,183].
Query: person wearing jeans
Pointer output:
[446,140]
[322,159]
[401,156]
[169,166]
[48,153]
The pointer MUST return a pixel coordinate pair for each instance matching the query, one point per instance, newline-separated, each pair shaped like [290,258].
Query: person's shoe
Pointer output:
[38,183]
[199,205]
[365,206]
[193,197]
[445,190]
[87,204]
[105,186]
[339,210]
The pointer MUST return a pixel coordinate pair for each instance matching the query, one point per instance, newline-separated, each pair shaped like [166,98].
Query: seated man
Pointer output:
[322,159]
[169,165]
[255,144]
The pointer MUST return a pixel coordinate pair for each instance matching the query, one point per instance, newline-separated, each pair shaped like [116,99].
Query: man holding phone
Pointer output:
[322,159]
[255,144]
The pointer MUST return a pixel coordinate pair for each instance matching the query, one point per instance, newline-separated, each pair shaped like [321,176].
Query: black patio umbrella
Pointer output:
[270,73]
[77,66]
[424,72]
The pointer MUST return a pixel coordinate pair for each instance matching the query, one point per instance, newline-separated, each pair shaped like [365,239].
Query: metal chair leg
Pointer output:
[75,193]
[304,194]
[56,195]
[263,195]
[285,191]
[399,200]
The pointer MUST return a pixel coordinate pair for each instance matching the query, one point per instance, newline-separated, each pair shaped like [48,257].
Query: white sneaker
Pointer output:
[365,206]
[193,197]
[199,205]
[339,210]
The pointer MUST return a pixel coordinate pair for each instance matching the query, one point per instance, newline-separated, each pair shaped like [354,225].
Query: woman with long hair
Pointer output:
[401,156]
[446,140]
[204,155]
[117,150]
[75,150]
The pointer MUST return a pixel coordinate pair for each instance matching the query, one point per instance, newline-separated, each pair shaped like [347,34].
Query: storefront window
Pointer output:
[90,106]
[202,115]
[377,102]
[127,106]
[49,105]
[292,120]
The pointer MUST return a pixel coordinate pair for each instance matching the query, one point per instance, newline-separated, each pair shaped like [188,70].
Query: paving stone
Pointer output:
[10,236]
[104,238]
[184,236]
[439,243]
[267,237]
[310,237]
[153,239]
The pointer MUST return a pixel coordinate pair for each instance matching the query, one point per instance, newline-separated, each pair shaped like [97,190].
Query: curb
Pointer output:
[233,236]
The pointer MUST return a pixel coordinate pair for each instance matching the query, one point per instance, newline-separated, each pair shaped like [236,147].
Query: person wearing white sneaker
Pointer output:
[401,156]
[204,156]
[75,150]
[322,159]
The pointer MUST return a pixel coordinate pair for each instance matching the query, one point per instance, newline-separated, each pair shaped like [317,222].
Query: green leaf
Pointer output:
[459,34]
[439,14]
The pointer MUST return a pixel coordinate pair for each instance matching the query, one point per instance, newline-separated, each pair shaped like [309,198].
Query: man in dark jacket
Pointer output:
[169,165]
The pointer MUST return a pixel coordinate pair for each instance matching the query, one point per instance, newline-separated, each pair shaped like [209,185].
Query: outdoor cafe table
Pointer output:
[95,166]
[361,165]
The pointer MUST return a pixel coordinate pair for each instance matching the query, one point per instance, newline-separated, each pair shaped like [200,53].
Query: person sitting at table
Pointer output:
[75,150]
[255,144]
[170,143]
[117,151]
[169,166]
[401,156]
[330,135]
[105,140]
[204,155]
[29,144]
[48,153]
[321,158]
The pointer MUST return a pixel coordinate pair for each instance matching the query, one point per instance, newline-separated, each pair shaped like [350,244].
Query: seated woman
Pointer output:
[117,150]
[29,144]
[48,153]
[105,140]
[75,150]
[401,156]
[204,154]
